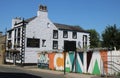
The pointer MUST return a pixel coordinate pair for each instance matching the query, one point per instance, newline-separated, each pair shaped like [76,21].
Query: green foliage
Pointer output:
[94,38]
[111,37]
[118,74]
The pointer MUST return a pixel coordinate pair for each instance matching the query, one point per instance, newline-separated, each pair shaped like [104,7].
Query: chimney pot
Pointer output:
[43,8]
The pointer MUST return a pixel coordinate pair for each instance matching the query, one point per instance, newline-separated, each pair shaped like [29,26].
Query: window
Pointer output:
[48,25]
[18,43]
[9,44]
[15,33]
[32,42]
[65,34]
[55,44]
[43,43]
[9,34]
[74,35]
[19,32]
[15,38]
[84,41]
[17,56]
[55,34]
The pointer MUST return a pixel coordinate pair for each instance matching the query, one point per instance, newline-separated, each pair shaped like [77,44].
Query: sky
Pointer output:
[88,14]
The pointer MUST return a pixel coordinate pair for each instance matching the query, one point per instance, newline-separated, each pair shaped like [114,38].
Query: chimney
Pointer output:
[43,8]
[16,20]
[42,11]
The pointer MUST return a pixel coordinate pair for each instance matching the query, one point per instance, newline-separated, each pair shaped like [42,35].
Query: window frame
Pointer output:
[29,45]
[85,41]
[74,33]
[43,43]
[55,32]
[55,43]
[65,34]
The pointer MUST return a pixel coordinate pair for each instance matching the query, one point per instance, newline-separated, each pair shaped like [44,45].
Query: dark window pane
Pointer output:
[43,43]
[84,41]
[55,34]
[65,34]
[55,44]
[74,35]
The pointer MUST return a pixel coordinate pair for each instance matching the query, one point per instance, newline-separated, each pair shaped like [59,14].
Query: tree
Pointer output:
[111,37]
[94,38]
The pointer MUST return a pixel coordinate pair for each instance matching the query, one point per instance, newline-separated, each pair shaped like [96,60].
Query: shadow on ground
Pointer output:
[17,75]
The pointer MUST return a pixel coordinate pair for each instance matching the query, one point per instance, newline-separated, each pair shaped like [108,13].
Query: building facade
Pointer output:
[28,37]
[2,48]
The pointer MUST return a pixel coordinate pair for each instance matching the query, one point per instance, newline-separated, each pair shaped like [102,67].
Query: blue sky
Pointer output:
[89,14]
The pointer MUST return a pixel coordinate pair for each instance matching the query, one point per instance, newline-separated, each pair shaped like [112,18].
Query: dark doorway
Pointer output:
[69,46]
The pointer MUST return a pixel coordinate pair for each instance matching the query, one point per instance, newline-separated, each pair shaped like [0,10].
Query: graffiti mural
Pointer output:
[93,62]
[43,61]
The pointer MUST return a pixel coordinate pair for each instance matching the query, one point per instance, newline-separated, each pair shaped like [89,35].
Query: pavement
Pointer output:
[67,75]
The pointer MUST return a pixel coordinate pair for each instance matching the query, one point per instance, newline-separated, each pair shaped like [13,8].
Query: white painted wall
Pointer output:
[79,39]
[38,28]
[16,20]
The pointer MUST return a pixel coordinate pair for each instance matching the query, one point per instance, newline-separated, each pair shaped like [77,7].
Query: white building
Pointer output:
[38,34]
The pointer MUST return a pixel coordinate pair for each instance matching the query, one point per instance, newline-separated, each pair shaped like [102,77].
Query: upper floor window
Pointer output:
[65,34]
[15,33]
[19,32]
[84,41]
[74,35]
[55,34]
[9,34]
[18,42]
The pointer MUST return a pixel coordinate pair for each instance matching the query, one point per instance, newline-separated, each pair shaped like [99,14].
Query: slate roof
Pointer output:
[69,27]
[60,26]
[30,19]
[26,21]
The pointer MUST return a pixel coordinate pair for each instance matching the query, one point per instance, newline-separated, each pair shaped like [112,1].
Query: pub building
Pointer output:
[28,37]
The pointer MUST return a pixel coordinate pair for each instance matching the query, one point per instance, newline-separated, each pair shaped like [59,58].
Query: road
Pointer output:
[10,71]
[18,72]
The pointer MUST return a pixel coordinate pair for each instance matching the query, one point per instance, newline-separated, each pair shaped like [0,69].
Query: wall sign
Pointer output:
[32,42]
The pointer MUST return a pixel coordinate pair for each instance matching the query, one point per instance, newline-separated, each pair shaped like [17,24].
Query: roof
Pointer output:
[27,21]
[30,19]
[10,30]
[59,26]
[69,27]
